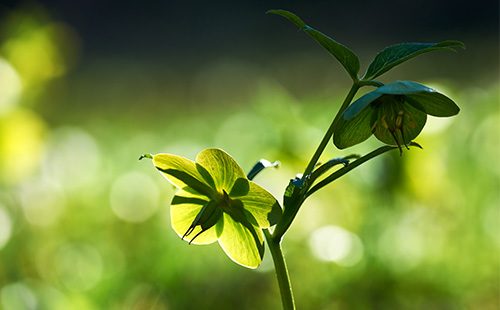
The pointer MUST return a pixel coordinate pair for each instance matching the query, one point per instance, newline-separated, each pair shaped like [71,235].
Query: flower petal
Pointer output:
[362,102]
[222,167]
[394,88]
[355,130]
[243,243]
[403,88]
[422,98]
[433,103]
[182,172]
[240,188]
[183,210]
[262,205]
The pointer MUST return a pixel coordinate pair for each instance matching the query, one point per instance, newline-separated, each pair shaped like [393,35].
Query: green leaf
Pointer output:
[222,167]
[182,215]
[243,243]
[393,55]
[182,172]
[355,130]
[290,16]
[262,205]
[344,55]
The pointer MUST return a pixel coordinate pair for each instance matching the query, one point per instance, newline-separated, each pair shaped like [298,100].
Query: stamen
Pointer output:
[399,127]
[197,235]
[404,140]
[384,123]
[205,219]
[189,231]
[399,120]
[195,222]
[374,126]
[397,142]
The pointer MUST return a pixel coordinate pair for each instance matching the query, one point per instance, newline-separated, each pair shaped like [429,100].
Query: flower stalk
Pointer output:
[281,271]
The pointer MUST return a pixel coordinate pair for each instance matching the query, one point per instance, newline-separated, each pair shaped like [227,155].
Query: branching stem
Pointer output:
[274,240]
[331,129]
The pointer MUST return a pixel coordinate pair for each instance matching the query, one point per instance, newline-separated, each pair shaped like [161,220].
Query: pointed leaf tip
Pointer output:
[146,156]
[290,16]
[347,58]
[394,55]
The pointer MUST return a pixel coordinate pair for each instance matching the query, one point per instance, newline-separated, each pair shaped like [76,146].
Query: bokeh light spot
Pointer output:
[403,245]
[134,197]
[18,296]
[22,134]
[251,129]
[72,158]
[78,266]
[485,141]
[42,202]
[39,49]
[10,86]
[491,217]
[335,244]
[435,125]
[5,227]
[144,296]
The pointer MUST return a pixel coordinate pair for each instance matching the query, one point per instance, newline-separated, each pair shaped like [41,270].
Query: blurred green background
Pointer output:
[86,87]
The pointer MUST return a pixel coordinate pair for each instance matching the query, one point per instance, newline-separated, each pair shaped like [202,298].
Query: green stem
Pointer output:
[281,271]
[370,83]
[274,241]
[282,226]
[329,132]
[337,174]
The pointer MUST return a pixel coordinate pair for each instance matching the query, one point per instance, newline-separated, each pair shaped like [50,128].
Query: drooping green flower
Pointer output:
[216,202]
[395,113]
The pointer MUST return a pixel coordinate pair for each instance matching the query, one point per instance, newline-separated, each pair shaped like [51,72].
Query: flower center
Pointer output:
[208,216]
[212,211]
[391,117]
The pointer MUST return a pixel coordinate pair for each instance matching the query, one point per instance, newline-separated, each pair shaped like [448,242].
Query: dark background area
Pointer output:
[168,30]
[157,47]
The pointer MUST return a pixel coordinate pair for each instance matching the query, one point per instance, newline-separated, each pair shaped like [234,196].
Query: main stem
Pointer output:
[274,241]
[314,159]
[281,272]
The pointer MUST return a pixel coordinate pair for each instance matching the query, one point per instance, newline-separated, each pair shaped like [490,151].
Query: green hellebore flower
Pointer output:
[216,202]
[395,113]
